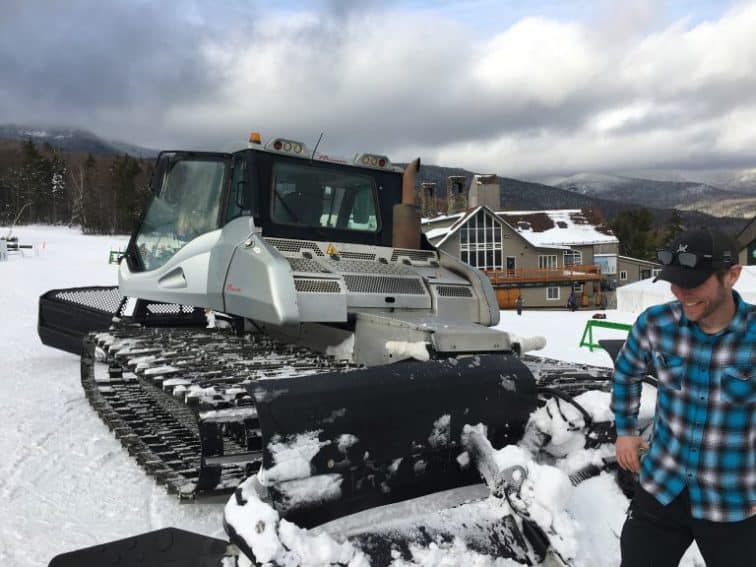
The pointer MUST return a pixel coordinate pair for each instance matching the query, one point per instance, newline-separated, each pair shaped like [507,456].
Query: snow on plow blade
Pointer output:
[66,316]
[334,444]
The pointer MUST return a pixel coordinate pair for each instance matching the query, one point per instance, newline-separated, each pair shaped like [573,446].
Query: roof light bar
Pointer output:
[372,160]
[287,147]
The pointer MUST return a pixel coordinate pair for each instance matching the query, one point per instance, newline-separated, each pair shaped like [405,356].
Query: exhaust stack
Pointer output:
[406,217]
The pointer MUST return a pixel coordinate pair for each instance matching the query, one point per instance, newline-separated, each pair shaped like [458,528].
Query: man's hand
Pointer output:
[628,449]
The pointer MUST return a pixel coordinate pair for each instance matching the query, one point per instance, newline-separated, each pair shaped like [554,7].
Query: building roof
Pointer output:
[639,261]
[443,233]
[563,227]
[543,229]
[442,218]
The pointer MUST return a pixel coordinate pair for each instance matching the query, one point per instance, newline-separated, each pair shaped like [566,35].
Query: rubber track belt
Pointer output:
[172,396]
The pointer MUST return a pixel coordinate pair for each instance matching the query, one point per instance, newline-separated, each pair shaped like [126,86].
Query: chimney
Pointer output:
[485,190]
[428,206]
[455,194]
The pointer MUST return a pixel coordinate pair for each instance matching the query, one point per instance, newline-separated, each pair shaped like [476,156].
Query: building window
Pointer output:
[547,262]
[607,262]
[645,274]
[480,242]
[573,257]
[655,272]
[552,293]
[623,275]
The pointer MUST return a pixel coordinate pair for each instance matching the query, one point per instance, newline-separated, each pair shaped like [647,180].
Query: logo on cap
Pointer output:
[682,248]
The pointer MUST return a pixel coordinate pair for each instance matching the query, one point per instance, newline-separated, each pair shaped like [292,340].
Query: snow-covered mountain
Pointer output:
[684,195]
[72,139]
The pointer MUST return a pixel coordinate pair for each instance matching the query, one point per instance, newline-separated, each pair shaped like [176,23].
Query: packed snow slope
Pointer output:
[65,481]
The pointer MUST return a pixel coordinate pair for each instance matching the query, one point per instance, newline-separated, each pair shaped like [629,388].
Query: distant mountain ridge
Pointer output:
[72,140]
[683,195]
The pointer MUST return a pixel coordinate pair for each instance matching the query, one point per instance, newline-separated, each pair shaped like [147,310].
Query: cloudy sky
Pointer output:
[523,88]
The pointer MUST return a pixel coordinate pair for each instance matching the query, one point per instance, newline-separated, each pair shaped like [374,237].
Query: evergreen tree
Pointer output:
[673,228]
[124,174]
[83,199]
[32,181]
[59,201]
[633,228]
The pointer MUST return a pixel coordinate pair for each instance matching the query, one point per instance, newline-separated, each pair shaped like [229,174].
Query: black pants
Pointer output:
[657,536]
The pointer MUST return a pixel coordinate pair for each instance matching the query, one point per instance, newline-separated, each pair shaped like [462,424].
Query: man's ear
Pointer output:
[733,274]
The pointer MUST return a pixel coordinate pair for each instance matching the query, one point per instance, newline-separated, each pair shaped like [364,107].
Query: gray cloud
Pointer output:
[76,60]
[536,97]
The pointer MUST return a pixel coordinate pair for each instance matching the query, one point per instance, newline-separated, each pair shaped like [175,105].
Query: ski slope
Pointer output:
[65,481]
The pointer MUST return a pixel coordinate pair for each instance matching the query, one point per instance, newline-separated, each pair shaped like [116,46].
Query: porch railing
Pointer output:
[577,273]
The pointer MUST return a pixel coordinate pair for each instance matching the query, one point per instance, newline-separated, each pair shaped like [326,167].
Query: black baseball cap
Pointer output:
[707,250]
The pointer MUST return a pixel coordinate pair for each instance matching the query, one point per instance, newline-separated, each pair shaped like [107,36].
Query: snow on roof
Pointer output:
[440,218]
[436,232]
[637,260]
[460,220]
[564,227]
[446,232]
[544,229]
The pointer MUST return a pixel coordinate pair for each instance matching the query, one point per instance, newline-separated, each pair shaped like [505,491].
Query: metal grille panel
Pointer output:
[284,245]
[454,291]
[415,255]
[358,255]
[360,267]
[163,308]
[384,285]
[307,265]
[106,300]
[316,286]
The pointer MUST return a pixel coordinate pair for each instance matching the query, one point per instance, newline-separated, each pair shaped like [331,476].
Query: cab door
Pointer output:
[168,258]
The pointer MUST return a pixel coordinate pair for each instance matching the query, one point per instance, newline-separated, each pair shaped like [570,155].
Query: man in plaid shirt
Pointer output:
[698,479]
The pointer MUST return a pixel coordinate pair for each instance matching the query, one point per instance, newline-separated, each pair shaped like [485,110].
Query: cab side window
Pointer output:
[242,199]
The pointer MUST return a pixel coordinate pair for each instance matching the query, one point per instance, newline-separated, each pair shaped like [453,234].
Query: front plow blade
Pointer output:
[334,444]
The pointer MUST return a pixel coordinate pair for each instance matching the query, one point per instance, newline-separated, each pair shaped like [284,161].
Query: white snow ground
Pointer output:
[65,481]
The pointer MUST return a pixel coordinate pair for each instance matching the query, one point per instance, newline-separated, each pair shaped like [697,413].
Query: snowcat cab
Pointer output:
[291,241]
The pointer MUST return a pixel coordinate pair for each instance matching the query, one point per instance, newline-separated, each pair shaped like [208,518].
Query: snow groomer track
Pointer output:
[175,397]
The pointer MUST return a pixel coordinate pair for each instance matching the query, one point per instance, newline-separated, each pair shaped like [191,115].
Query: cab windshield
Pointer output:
[185,207]
[322,197]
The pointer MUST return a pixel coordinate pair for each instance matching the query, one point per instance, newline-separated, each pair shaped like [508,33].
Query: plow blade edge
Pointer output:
[383,434]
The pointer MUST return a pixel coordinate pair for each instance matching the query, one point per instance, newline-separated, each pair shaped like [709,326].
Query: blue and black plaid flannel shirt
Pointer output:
[705,423]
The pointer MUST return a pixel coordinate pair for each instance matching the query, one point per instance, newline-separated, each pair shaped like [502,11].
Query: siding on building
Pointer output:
[630,270]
